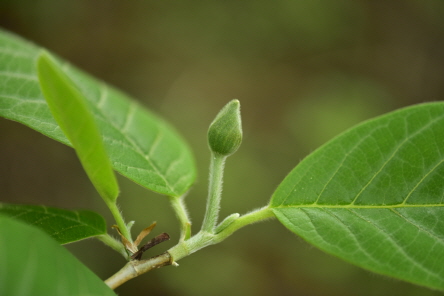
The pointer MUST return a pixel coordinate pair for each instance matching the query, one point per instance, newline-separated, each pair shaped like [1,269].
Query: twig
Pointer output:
[135,268]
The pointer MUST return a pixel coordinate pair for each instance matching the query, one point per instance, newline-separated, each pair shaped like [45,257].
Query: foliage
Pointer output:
[35,264]
[62,225]
[77,123]
[140,145]
[372,196]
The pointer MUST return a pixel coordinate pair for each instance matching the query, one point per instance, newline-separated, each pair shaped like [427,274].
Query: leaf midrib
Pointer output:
[354,206]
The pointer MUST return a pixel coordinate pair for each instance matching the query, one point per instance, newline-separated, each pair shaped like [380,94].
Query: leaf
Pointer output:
[140,145]
[34,264]
[374,196]
[69,109]
[62,225]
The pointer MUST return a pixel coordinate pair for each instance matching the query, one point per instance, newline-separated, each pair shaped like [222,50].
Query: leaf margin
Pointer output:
[19,47]
[86,218]
[18,269]
[277,204]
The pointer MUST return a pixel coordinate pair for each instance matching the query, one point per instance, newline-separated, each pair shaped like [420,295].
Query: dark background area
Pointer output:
[303,71]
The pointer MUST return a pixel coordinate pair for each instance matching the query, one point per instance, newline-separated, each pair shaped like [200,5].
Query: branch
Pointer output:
[202,239]
[135,268]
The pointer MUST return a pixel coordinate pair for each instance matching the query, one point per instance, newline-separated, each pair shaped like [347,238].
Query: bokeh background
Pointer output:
[303,70]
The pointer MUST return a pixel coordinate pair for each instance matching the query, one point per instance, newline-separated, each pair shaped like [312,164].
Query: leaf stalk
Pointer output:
[119,220]
[114,244]
[182,214]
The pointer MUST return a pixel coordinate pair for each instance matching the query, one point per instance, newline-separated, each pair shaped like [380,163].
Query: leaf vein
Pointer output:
[438,239]
[392,156]
[422,179]
[398,246]
[139,150]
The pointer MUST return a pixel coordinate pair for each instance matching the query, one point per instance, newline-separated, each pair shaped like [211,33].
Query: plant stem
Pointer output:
[135,268]
[214,192]
[114,244]
[119,220]
[204,238]
[182,214]
[184,248]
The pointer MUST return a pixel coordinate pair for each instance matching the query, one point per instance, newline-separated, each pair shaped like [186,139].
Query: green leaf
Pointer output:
[374,196]
[34,264]
[69,109]
[62,225]
[140,145]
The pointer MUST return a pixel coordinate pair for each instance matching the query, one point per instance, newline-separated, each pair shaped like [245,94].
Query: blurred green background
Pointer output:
[303,70]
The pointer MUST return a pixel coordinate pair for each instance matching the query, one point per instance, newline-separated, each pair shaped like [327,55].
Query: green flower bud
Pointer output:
[225,132]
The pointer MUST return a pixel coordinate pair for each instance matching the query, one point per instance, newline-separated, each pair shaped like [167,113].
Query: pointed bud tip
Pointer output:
[225,132]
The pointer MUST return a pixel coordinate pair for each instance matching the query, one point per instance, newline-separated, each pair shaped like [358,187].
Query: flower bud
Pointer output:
[225,132]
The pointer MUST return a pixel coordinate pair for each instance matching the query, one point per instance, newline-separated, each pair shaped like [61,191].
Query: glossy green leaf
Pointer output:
[62,225]
[140,145]
[374,196]
[73,116]
[34,264]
